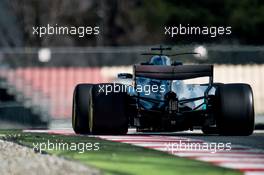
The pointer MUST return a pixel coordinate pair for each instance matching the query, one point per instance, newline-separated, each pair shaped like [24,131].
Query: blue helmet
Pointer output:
[160,60]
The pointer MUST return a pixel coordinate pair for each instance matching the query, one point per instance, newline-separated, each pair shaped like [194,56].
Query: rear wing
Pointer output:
[179,72]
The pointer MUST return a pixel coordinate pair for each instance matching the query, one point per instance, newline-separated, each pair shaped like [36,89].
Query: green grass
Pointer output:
[119,158]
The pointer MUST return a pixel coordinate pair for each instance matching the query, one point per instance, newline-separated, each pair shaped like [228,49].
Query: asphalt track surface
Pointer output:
[255,141]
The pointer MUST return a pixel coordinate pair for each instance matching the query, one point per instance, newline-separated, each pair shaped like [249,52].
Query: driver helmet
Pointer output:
[160,60]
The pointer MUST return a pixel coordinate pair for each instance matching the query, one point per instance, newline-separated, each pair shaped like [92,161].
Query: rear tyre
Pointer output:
[81,108]
[109,110]
[236,109]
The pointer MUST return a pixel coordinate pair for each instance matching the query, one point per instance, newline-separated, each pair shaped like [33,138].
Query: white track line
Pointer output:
[253,173]
[239,165]
[221,159]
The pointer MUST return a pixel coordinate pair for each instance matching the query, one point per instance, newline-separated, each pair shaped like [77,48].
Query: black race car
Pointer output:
[155,98]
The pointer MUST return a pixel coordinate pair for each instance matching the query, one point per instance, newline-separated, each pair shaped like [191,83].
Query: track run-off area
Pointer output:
[243,153]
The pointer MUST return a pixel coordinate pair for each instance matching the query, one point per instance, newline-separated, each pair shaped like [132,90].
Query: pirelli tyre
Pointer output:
[81,111]
[235,114]
[99,109]
[109,109]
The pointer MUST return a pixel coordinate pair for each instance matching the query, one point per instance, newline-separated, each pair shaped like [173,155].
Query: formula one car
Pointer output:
[155,98]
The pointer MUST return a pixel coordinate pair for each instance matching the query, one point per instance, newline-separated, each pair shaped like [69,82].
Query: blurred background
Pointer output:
[38,74]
